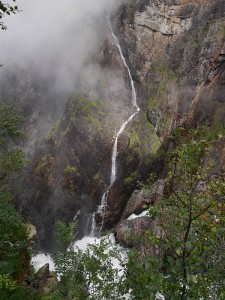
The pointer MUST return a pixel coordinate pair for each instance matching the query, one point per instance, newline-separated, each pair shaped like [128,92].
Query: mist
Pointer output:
[54,37]
[43,52]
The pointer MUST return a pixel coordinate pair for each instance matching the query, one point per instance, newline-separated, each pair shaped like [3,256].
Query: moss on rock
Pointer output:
[143,144]
[46,169]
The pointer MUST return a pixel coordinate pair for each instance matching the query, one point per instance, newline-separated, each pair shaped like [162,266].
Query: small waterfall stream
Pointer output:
[136,108]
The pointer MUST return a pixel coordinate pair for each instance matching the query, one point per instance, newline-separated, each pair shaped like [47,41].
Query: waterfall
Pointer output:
[83,243]
[93,226]
[114,153]
[103,204]
[134,94]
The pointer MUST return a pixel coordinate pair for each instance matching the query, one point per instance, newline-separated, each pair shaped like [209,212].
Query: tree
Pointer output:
[14,246]
[19,293]
[190,234]
[10,122]
[6,9]
[11,158]
[88,274]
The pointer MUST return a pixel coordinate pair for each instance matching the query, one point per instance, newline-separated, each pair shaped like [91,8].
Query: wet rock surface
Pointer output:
[70,169]
[132,233]
[136,222]
[141,200]
[44,281]
[175,49]
[129,232]
[176,54]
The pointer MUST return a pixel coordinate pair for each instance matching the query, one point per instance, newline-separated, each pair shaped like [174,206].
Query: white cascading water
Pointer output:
[123,126]
[93,226]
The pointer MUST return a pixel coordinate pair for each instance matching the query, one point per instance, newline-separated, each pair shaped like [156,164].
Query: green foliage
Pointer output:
[7,282]
[142,277]
[10,121]
[45,162]
[11,162]
[14,253]
[188,242]
[131,179]
[5,195]
[134,139]
[14,246]
[97,176]
[46,169]
[58,131]
[91,114]
[159,95]
[104,281]
[168,76]
[70,169]
[71,176]
[18,293]
[87,274]
[65,234]
[142,147]
[90,110]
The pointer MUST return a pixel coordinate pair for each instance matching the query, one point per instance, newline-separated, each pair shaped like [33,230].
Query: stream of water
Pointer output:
[136,108]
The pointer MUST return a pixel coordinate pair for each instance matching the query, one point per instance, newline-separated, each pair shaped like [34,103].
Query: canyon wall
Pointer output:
[175,50]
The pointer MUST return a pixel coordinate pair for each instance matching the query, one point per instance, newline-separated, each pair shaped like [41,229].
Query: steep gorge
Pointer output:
[176,53]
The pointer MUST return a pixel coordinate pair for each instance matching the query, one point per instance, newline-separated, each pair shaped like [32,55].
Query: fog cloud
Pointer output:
[54,37]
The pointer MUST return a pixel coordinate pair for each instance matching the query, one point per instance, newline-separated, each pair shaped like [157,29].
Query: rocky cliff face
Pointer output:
[71,167]
[176,52]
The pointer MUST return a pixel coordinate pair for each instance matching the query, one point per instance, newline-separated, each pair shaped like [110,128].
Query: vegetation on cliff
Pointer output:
[143,144]
[90,273]
[188,243]
[14,245]
[177,55]
[185,255]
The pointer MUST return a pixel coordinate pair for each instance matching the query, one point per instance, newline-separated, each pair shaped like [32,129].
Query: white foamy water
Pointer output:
[85,242]
[134,216]
[42,259]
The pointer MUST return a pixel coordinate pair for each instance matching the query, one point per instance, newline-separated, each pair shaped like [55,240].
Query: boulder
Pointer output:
[50,285]
[44,281]
[131,233]
[140,200]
